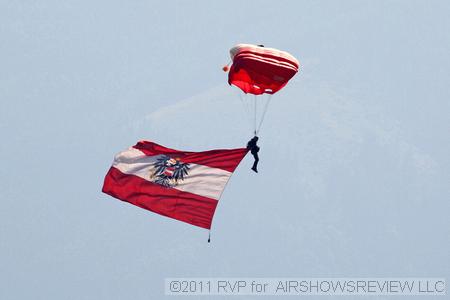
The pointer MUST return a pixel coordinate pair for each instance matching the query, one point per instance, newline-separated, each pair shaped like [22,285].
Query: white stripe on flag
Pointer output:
[201,180]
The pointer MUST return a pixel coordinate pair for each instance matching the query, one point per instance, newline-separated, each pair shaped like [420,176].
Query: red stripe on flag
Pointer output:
[226,159]
[183,206]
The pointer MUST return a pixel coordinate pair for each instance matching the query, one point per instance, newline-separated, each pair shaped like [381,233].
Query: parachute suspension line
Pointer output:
[254,115]
[246,107]
[266,106]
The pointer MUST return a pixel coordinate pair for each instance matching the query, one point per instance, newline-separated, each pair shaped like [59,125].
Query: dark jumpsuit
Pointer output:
[254,149]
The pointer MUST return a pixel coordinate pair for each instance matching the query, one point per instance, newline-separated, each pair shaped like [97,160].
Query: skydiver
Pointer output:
[254,149]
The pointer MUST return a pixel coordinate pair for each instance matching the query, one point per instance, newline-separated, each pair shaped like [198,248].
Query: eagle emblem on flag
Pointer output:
[168,172]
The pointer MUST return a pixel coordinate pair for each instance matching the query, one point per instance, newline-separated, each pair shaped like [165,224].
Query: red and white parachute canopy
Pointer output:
[257,70]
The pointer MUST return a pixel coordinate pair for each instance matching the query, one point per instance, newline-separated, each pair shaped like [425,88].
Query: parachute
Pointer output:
[258,70]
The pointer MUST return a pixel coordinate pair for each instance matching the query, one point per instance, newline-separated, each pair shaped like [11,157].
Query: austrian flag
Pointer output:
[178,184]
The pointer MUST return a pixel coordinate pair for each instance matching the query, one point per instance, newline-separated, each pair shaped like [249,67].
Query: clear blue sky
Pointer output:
[354,165]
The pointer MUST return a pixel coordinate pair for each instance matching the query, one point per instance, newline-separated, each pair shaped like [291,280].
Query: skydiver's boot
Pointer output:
[254,168]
